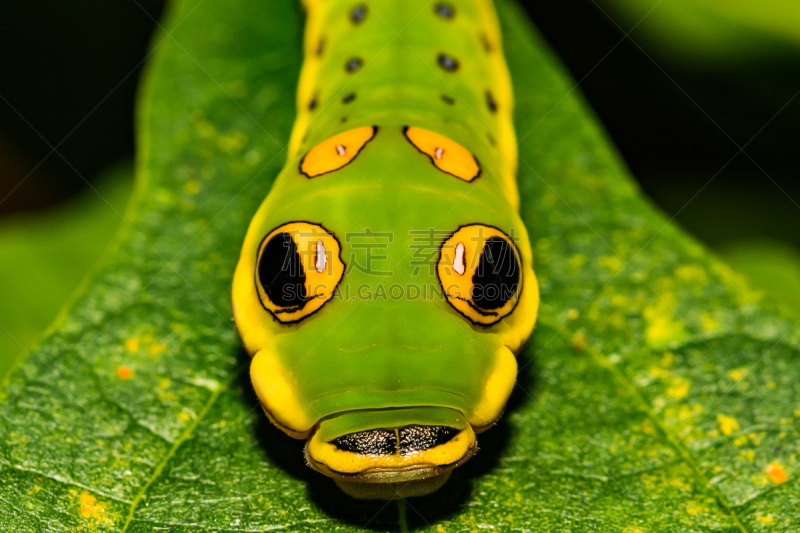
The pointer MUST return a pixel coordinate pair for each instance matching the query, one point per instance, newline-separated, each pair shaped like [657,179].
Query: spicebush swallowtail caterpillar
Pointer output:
[385,284]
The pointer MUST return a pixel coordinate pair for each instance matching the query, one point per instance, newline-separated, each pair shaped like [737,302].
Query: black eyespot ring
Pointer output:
[480,273]
[298,269]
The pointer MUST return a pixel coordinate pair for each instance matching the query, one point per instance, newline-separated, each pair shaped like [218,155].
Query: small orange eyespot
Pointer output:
[480,273]
[336,152]
[448,156]
[298,268]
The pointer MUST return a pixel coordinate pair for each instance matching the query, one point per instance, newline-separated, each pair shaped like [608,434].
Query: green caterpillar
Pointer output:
[400,179]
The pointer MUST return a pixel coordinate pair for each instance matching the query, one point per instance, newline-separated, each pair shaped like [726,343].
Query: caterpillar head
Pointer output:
[383,299]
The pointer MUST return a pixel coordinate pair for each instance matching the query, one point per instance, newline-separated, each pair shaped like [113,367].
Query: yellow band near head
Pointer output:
[275,390]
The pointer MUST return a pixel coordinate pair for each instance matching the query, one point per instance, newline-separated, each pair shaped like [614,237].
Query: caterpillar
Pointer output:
[385,284]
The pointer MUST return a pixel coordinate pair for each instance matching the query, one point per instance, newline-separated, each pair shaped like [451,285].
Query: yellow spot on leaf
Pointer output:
[124,372]
[693,508]
[578,342]
[727,424]
[611,262]
[156,348]
[132,345]
[94,510]
[662,325]
[776,473]
[741,440]
[679,389]
[659,373]
[576,262]
[750,455]
[797,412]
[765,519]
[572,314]
[708,323]
[692,273]
[737,374]
[183,415]
[192,187]
[232,143]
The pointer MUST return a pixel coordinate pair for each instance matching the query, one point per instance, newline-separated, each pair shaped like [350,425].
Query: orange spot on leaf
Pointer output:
[124,372]
[776,473]
[94,510]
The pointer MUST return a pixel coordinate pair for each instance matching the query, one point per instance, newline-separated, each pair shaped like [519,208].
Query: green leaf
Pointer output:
[44,257]
[770,266]
[658,393]
[711,32]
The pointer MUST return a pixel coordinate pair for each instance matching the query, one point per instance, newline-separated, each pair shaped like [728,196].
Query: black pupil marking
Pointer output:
[448,63]
[372,442]
[313,103]
[445,11]
[447,100]
[490,102]
[358,14]
[384,441]
[496,279]
[421,438]
[281,273]
[349,98]
[353,65]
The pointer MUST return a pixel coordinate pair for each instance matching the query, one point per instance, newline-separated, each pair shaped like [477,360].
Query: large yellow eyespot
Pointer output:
[446,155]
[479,269]
[336,152]
[298,268]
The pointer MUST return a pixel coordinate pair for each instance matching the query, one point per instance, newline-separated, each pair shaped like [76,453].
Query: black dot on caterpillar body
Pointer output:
[447,100]
[490,102]
[349,98]
[353,64]
[448,63]
[358,14]
[487,44]
[445,11]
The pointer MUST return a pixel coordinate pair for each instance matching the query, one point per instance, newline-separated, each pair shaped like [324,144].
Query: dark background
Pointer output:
[70,72]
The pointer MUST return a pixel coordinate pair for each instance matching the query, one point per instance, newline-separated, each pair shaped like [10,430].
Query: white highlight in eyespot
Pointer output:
[458,263]
[341,150]
[438,153]
[321,259]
